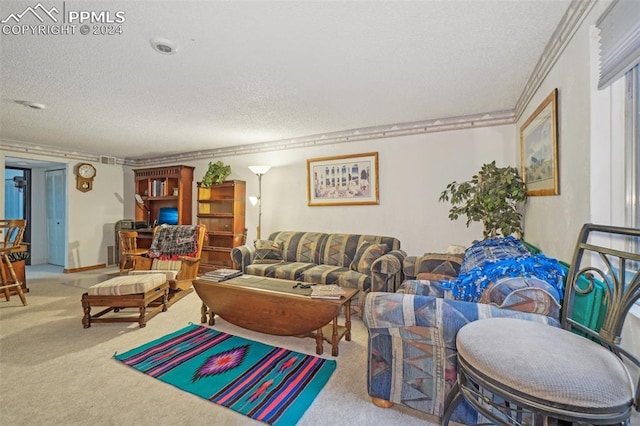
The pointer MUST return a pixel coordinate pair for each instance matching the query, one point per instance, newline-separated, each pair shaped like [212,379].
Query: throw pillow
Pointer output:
[366,254]
[267,251]
[446,265]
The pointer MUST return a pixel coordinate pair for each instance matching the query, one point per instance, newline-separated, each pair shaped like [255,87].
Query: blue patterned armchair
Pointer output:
[412,333]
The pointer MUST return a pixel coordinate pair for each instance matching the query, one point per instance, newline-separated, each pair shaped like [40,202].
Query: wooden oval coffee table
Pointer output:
[272,306]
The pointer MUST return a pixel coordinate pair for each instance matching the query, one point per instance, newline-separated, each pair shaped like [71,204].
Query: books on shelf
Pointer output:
[218,275]
[328,291]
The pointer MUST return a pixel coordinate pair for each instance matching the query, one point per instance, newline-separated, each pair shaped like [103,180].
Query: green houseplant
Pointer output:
[492,197]
[216,174]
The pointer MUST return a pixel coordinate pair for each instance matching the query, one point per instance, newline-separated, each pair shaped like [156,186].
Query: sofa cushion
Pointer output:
[366,254]
[302,247]
[284,270]
[437,266]
[267,251]
[127,284]
[340,249]
[323,274]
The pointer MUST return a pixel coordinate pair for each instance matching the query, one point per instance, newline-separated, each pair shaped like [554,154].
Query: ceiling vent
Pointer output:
[105,159]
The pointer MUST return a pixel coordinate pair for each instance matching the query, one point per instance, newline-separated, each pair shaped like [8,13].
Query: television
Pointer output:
[168,216]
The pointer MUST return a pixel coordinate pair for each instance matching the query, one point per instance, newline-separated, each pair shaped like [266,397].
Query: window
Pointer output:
[632,147]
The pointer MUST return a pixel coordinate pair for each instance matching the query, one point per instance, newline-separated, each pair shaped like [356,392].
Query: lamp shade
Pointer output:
[259,170]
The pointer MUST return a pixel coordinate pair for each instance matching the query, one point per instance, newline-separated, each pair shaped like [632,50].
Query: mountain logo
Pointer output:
[39,11]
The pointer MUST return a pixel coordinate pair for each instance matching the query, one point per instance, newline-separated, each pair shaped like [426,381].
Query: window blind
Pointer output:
[619,29]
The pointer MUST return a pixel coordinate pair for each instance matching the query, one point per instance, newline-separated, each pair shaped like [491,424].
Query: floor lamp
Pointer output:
[259,171]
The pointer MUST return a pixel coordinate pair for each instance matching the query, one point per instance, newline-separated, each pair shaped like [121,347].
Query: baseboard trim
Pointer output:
[85,268]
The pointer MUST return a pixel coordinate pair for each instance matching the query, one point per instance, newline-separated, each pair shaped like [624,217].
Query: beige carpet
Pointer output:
[54,372]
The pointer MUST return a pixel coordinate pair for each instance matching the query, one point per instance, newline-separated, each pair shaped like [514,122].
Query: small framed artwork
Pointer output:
[343,180]
[539,149]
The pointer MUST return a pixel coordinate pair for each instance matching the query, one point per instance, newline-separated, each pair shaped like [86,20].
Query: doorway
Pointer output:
[55,202]
[44,201]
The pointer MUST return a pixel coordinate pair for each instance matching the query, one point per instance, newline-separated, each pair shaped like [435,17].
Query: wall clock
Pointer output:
[85,173]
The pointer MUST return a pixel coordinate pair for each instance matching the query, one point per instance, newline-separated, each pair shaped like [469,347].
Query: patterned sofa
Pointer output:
[366,262]
[412,333]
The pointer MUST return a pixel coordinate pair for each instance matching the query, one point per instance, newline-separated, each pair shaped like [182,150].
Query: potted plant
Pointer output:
[491,197]
[216,174]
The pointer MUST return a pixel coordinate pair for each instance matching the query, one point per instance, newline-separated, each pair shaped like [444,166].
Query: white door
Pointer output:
[56,216]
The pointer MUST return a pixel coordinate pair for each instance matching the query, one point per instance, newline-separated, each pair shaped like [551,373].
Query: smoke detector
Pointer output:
[164,46]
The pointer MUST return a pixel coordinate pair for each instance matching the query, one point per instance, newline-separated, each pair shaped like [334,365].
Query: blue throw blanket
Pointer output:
[498,261]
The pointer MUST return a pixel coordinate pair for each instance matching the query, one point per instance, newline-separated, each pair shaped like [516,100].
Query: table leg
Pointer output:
[203,313]
[141,319]
[347,321]
[334,337]
[319,343]
[86,319]
[165,299]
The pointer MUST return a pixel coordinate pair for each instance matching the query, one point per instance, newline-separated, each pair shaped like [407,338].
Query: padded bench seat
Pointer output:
[141,291]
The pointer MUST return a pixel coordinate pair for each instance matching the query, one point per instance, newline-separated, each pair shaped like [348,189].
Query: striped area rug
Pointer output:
[270,384]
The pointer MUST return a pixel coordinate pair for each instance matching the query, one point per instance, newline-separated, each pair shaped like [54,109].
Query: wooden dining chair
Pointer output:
[129,248]
[12,233]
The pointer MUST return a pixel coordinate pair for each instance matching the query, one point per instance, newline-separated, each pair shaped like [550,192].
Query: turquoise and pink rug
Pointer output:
[266,383]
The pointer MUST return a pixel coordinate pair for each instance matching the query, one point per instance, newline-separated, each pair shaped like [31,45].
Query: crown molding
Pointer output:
[496,118]
[569,24]
[366,133]
[50,151]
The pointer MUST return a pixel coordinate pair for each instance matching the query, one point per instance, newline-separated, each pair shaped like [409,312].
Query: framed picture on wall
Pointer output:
[343,180]
[539,149]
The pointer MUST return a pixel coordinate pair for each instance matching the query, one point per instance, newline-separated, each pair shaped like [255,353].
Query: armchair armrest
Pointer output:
[425,288]
[189,268]
[386,271]
[242,256]
[437,265]
[387,311]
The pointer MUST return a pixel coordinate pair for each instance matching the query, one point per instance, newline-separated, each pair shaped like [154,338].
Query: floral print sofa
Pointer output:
[366,262]
[412,332]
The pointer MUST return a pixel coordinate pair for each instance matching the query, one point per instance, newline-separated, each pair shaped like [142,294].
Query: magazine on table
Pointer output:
[328,291]
[218,275]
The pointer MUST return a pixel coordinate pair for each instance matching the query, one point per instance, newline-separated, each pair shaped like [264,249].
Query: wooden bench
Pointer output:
[141,291]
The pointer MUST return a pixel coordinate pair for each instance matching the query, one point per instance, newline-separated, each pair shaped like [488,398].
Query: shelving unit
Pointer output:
[221,208]
[169,186]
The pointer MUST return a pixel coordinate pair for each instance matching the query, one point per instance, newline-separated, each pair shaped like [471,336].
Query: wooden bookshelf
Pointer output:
[169,186]
[221,208]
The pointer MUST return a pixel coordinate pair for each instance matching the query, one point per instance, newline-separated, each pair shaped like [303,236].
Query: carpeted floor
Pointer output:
[54,372]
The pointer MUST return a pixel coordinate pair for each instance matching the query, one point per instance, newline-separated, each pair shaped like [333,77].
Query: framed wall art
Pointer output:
[343,180]
[539,149]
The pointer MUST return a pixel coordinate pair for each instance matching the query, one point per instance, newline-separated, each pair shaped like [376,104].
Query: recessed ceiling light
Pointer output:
[163,46]
[29,104]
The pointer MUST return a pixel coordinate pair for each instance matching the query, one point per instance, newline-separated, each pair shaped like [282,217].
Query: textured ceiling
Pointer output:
[248,72]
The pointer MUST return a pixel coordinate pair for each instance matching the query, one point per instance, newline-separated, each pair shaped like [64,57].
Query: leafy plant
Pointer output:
[491,197]
[216,174]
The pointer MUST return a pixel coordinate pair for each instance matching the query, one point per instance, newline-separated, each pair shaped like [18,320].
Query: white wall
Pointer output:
[413,170]
[552,222]
[91,216]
